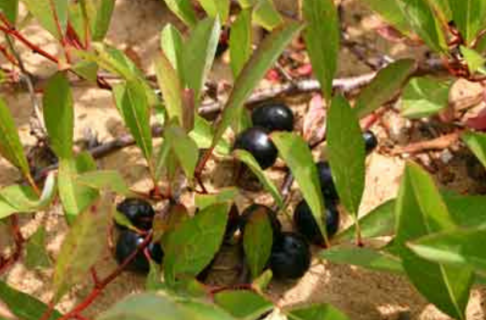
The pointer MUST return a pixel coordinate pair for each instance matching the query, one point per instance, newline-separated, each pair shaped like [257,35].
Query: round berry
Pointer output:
[139,212]
[254,208]
[371,142]
[306,224]
[328,188]
[127,243]
[273,117]
[256,141]
[290,257]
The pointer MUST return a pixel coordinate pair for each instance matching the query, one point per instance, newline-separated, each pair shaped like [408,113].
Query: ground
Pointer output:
[361,294]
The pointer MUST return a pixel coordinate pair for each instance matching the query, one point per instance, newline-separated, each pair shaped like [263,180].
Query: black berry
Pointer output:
[306,224]
[256,141]
[328,188]
[273,117]
[371,142]
[252,209]
[138,211]
[128,242]
[290,257]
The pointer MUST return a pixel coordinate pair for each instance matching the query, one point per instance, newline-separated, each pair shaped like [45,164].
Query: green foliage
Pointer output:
[240,41]
[265,14]
[424,97]
[183,10]
[36,255]
[316,312]
[51,14]
[242,303]
[10,8]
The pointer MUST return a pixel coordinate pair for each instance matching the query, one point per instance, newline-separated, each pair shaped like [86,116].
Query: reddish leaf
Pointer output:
[315,120]
[478,122]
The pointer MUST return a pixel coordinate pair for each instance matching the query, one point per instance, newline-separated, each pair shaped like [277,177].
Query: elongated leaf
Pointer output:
[216,8]
[101,22]
[172,43]
[59,115]
[246,157]
[83,245]
[462,248]
[258,241]
[475,61]
[385,86]
[132,103]
[363,257]
[10,8]
[265,14]
[184,148]
[346,153]
[183,10]
[192,246]
[477,143]
[203,134]
[224,195]
[240,41]
[466,210]
[261,60]
[298,157]
[392,13]
[10,146]
[171,89]
[469,17]
[204,310]
[322,40]
[316,312]
[243,303]
[51,14]
[424,97]
[203,40]
[87,70]
[37,256]
[110,180]
[24,306]
[421,211]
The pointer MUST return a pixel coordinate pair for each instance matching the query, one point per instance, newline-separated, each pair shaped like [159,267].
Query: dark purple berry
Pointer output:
[256,141]
[371,142]
[252,209]
[290,257]
[306,224]
[139,212]
[127,243]
[328,187]
[273,117]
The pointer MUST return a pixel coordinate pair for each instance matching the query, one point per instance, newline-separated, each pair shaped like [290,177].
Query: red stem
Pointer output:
[19,245]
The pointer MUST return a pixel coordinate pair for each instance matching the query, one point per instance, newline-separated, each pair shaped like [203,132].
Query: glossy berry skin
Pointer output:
[273,117]
[290,257]
[371,142]
[127,243]
[252,209]
[256,141]
[328,187]
[306,224]
[138,211]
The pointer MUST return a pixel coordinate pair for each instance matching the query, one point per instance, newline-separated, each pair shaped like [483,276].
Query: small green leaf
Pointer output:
[132,103]
[192,246]
[224,195]
[216,8]
[262,282]
[24,306]
[243,303]
[248,159]
[466,210]
[83,245]
[105,180]
[36,255]
[10,8]
[101,22]
[203,310]
[203,134]
[240,42]
[183,10]
[87,70]
[391,11]
[10,145]
[475,61]
[477,143]
[51,14]
[59,115]
[316,312]
[387,82]
[184,148]
[171,88]
[172,43]
[346,153]
[154,281]
[425,96]
[258,241]
[261,60]
[265,14]
[469,17]
[298,157]
[322,40]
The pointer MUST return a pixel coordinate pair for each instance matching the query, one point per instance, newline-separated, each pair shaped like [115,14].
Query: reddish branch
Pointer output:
[6,263]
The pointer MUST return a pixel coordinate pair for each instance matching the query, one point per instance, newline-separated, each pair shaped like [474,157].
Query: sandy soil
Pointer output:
[363,295]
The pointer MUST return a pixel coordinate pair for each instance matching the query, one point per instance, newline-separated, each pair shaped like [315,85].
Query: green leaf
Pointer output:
[172,43]
[258,241]
[245,4]
[154,281]
[243,303]
[261,283]
[36,255]
[10,8]
[346,153]
[105,180]
[75,197]
[322,40]
[425,96]
[132,103]
[223,195]
[475,61]
[59,115]
[248,159]
[24,306]
[83,245]
[184,148]
[469,17]
[466,210]
[216,8]
[87,70]
[171,88]
[10,145]
[204,310]
[203,134]
[102,18]
[261,60]
[477,143]
[265,14]
[391,11]
[51,14]
[462,248]
[240,41]
[192,246]
[316,312]
[363,257]
[386,84]
[183,10]
[420,212]
[298,157]
[203,40]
